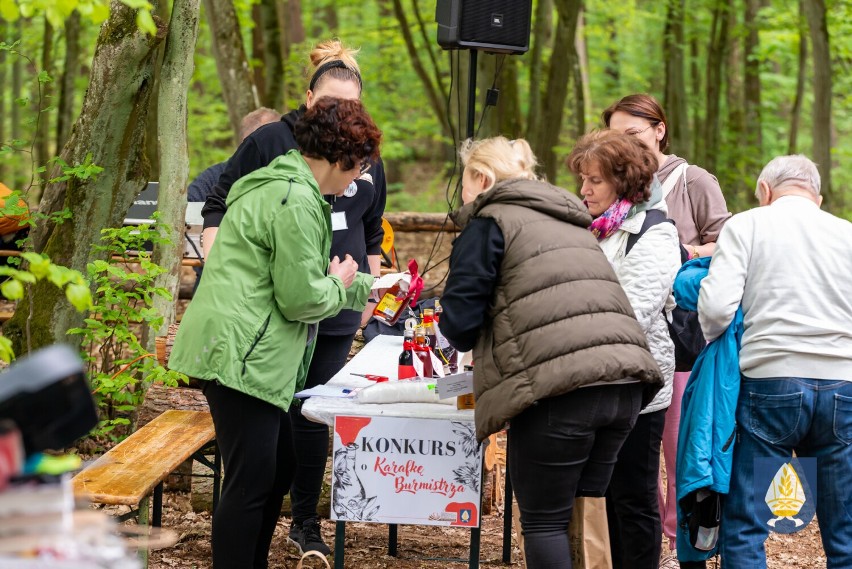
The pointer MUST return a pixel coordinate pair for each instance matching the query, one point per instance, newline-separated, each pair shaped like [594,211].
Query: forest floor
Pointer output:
[419,547]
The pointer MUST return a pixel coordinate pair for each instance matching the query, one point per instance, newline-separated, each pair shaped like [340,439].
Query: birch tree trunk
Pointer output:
[238,86]
[111,127]
[175,76]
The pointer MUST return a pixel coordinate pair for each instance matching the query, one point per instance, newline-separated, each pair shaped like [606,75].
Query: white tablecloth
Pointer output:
[378,357]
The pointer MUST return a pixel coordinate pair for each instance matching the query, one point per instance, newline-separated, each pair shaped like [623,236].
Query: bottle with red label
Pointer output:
[406,358]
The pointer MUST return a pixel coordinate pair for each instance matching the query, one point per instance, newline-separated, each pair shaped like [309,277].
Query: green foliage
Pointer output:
[123,304]
[39,267]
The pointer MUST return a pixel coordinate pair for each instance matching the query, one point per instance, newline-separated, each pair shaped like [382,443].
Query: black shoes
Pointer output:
[308,537]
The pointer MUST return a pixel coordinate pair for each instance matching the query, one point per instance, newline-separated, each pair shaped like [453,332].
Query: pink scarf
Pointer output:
[609,221]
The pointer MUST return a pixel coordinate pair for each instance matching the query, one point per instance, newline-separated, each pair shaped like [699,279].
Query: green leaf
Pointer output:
[9,12]
[146,22]
[6,352]
[12,289]
[79,296]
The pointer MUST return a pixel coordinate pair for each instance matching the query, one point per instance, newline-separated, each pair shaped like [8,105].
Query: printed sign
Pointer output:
[395,470]
[785,492]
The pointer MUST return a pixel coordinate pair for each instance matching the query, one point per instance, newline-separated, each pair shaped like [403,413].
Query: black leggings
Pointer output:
[632,506]
[257,452]
[310,438]
[563,447]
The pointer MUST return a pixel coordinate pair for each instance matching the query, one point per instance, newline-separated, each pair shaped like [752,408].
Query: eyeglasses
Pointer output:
[365,167]
[633,132]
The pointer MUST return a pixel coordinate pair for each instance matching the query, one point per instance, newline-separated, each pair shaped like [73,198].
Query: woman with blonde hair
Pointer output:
[557,350]
[356,221]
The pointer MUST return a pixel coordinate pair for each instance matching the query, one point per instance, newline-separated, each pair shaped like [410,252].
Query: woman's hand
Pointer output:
[345,270]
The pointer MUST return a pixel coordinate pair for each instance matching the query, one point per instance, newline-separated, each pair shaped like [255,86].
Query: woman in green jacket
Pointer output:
[249,330]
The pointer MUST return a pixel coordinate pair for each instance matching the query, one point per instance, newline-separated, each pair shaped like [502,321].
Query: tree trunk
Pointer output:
[675,89]
[43,100]
[4,31]
[430,50]
[17,172]
[272,60]
[425,79]
[554,96]
[801,77]
[715,64]
[175,77]
[751,89]
[238,87]
[161,10]
[583,62]
[695,85]
[294,20]
[70,70]
[815,10]
[541,35]
[258,50]
[111,127]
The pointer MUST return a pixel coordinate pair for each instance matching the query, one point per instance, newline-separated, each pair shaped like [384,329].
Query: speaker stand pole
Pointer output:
[471,94]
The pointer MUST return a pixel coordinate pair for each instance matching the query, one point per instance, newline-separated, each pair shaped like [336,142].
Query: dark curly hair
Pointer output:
[623,161]
[339,131]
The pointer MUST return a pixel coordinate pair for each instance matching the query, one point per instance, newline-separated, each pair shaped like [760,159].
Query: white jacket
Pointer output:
[647,275]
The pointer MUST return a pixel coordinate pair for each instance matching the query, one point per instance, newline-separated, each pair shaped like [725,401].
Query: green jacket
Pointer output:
[265,282]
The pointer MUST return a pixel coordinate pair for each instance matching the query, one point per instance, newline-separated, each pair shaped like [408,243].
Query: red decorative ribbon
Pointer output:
[416,285]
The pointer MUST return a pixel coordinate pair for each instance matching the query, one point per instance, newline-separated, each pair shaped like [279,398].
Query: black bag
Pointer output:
[684,328]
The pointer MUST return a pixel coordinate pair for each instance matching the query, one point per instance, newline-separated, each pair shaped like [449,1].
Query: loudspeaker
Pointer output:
[497,26]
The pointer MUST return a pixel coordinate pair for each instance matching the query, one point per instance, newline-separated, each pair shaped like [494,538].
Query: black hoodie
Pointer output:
[363,210]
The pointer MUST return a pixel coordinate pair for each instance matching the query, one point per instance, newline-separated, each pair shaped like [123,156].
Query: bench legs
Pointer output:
[157,517]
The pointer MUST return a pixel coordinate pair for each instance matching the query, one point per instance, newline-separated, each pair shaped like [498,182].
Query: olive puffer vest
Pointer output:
[559,318]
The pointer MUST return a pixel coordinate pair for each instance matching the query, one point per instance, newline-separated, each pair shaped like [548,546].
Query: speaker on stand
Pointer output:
[493,26]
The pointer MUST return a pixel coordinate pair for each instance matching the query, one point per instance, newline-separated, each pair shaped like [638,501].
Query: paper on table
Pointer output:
[324,391]
[390,279]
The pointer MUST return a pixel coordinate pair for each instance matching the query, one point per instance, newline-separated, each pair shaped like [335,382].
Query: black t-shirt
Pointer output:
[363,209]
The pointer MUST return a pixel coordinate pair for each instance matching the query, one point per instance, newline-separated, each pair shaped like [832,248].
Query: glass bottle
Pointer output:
[423,351]
[406,358]
[443,349]
[393,304]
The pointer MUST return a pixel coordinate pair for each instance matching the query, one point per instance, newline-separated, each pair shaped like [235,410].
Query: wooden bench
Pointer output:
[136,467]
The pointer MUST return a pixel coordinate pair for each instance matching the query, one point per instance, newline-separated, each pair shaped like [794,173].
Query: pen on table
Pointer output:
[347,391]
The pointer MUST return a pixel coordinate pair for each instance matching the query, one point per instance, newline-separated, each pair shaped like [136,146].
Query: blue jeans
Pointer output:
[776,417]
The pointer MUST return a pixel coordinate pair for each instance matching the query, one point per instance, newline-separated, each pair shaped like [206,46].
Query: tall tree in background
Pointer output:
[715,65]
[44,102]
[801,78]
[822,127]
[110,130]
[4,27]
[175,77]
[545,134]
[273,59]
[675,99]
[432,83]
[70,70]
[235,75]
[541,37]
[751,88]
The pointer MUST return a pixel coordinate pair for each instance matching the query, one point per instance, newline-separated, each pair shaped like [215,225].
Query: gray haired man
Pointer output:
[789,265]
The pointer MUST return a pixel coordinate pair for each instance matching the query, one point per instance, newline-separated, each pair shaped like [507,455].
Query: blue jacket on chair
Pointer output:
[707,428]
